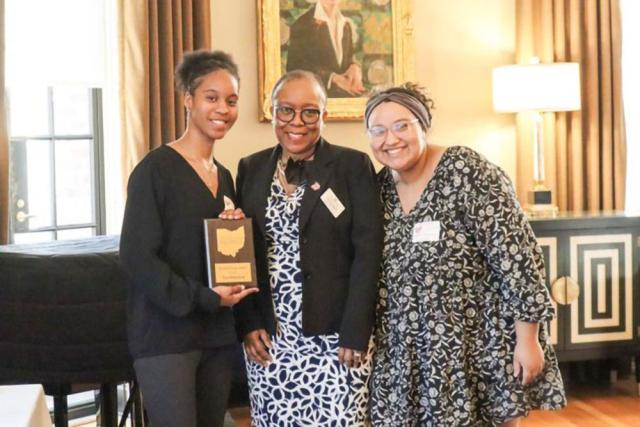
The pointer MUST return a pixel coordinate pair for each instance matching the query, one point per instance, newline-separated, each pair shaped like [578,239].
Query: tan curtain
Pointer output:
[154,34]
[585,154]
[4,143]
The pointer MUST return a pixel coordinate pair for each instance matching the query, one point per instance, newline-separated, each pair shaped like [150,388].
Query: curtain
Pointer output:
[153,37]
[585,154]
[4,143]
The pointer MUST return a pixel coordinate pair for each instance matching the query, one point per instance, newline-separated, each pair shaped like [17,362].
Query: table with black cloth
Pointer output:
[63,321]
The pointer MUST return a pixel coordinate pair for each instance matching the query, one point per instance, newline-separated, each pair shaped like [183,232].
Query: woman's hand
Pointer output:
[354,75]
[528,357]
[231,295]
[350,358]
[257,345]
[343,83]
[232,214]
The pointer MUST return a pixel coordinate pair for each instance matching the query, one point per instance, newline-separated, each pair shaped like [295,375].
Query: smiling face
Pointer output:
[213,106]
[404,142]
[295,137]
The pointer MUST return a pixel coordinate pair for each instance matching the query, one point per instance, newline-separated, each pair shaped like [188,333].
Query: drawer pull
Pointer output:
[565,290]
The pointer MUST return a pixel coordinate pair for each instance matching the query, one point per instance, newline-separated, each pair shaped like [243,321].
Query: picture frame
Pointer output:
[382,46]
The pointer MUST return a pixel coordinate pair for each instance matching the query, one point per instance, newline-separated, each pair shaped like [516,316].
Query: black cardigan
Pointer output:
[170,308]
[339,257]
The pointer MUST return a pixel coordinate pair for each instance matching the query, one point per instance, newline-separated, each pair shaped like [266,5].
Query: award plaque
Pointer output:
[230,255]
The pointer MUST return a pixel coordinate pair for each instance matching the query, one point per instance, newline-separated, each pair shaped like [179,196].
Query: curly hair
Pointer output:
[199,63]
[417,91]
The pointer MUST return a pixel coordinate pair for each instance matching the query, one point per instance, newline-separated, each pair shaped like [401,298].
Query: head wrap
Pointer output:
[412,103]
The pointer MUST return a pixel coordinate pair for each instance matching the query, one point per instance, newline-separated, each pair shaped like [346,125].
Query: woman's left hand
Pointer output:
[232,214]
[350,358]
[528,357]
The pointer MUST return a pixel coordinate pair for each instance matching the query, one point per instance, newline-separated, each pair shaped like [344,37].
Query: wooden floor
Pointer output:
[603,406]
[608,405]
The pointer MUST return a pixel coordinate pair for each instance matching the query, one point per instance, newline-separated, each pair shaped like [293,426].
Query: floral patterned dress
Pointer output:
[448,300]
[305,385]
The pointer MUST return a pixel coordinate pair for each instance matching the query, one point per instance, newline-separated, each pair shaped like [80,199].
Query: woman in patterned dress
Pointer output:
[461,335]
[318,241]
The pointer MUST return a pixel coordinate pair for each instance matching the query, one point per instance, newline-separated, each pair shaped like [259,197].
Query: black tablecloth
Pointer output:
[62,313]
[63,316]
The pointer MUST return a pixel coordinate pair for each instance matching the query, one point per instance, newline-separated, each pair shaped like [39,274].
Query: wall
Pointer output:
[458,42]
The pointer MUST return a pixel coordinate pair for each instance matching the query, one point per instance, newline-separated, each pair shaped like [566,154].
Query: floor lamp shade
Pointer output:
[537,88]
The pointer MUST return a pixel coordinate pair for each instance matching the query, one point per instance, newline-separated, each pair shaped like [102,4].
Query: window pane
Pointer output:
[74,182]
[71,112]
[44,236]
[39,192]
[76,233]
[28,111]
[55,41]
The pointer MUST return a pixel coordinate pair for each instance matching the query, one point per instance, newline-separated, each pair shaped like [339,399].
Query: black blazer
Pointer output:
[339,257]
[311,49]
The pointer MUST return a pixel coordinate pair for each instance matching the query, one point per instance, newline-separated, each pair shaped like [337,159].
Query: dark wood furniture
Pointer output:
[591,261]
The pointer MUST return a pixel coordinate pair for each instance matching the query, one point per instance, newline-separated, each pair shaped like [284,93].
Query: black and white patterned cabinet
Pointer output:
[591,261]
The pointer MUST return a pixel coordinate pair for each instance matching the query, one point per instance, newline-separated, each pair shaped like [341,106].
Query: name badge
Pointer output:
[332,203]
[427,231]
[228,203]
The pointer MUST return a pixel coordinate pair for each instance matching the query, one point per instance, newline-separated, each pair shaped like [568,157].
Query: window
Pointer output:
[56,188]
[630,13]
[62,103]
[61,79]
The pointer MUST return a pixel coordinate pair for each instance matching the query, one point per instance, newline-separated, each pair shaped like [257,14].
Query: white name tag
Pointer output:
[332,203]
[428,231]
[228,203]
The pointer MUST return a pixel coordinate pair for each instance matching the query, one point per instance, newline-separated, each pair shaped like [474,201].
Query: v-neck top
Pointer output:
[448,301]
[171,309]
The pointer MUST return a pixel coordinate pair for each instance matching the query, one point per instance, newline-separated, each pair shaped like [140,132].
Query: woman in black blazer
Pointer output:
[318,237]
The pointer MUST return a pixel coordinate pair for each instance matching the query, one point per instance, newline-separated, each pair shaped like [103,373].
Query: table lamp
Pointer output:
[537,88]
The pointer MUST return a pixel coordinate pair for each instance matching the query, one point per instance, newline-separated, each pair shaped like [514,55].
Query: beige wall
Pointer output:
[458,42]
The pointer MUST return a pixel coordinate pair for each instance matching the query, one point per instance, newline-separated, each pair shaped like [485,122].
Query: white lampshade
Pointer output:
[537,87]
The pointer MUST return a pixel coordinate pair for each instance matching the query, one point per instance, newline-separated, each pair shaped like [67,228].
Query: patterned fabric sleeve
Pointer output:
[506,239]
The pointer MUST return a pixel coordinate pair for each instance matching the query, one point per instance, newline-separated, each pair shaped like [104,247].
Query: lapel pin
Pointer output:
[315,186]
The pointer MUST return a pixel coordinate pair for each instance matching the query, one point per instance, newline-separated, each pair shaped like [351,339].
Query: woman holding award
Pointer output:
[318,236]
[181,332]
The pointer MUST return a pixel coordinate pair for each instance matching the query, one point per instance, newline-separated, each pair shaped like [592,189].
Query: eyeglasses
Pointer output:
[400,129]
[309,116]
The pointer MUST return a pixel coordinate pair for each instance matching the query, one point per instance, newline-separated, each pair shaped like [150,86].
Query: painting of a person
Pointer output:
[322,41]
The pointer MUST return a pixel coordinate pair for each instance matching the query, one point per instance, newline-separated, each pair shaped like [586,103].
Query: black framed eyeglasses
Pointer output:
[309,116]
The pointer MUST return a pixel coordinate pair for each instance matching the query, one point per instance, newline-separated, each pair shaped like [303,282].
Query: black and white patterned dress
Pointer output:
[305,385]
[445,328]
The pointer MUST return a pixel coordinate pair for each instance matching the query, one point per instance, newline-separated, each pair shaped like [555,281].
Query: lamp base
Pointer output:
[539,196]
[540,204]
[541,211]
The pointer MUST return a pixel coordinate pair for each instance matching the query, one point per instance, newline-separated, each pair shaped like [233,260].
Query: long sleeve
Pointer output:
[141,248]
[506,239]
[366,237]
[248,317]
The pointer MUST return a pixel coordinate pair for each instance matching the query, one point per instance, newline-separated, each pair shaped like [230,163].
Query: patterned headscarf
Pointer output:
[405,99]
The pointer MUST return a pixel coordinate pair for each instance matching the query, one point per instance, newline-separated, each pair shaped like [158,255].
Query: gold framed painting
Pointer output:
[354,46]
